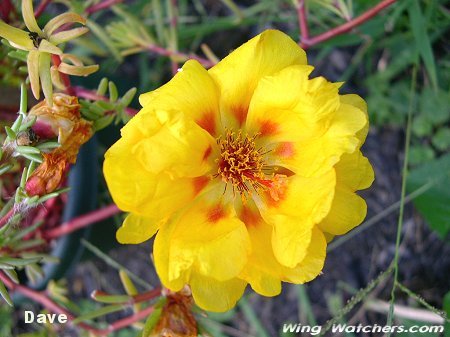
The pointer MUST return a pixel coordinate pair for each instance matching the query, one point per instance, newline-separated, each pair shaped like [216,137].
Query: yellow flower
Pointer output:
[242,170]
[41,44]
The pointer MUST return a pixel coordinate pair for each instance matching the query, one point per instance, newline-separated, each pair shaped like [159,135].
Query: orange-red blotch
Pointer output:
[208,122]
[200,183]
[250,216]
[240,112]
[268,128]
[286,150]
[207,153]
[216,213]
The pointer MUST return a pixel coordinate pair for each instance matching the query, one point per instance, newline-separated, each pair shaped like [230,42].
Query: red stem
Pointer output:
[102,5]
[306,43]
[165,52]
[302,19]
[92,95]
[127,321]
[42,298]
[41,8]
[7,216]
[82,221]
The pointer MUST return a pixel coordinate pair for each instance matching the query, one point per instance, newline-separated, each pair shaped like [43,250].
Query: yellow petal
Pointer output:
[210,239]
[161,255]
[354,171]
[262,271]
[45,76]
[173,144]
[212,295]
[288,106]
[77,70]
[68,35]
[137,229]
[60,20]
[28,17]
[303,203]
[238,74]
[359,103]
[347,211]
[316,155]
[33,72]
[192,92]
[16,36]
[311,266]
[135,189]
[47,47]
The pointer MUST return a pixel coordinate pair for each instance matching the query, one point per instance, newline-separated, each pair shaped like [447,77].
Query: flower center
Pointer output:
[241,163]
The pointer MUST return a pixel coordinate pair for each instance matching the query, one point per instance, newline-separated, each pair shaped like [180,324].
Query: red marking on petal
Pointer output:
[207,153]
[268,128]
[240,112]
[250,217]
[286,150]
[216,213]
[199,184]
[208,122]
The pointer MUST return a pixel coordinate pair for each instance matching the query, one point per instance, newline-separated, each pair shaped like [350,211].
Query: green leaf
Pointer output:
[10,132]
[19,262]
[128,97]
[33,157]
[103,122]
[48,146]
[151,322]
[433,204]
[446,307]
[442,139]
[99,312]
[102,86]
[4,294]
[5,168]
[27,150]
[423,43]
[419,154]
[113,93]
[422,126]
[109,298]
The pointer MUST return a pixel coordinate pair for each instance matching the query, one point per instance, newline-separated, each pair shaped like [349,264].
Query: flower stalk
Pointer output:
[310,42]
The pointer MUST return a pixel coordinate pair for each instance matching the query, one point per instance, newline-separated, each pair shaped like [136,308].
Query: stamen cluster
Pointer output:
[241,162]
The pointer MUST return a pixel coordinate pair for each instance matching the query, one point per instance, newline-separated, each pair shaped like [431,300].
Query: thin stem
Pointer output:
[402,198]
[302,20]
[127,321]
[41,8]
[93,96]
[165,52]
[4,220]
[102,5]
[43,299]
[82,221]
[148,295]
[306,43]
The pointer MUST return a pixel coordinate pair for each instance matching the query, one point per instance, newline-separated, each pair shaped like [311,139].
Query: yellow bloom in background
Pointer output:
[241,171]
[42,43]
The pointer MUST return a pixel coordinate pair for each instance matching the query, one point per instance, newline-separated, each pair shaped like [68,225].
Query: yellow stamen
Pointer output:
[241,163]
